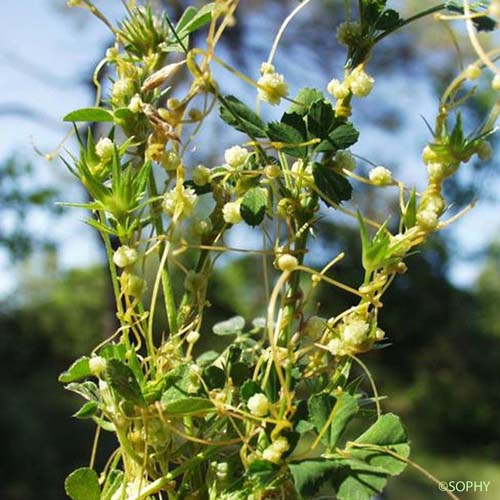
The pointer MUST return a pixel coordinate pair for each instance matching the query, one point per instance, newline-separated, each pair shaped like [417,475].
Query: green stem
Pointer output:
[405,22]
[160,483]
[168,291]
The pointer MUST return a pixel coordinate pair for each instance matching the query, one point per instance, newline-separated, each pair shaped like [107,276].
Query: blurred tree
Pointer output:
[20,198]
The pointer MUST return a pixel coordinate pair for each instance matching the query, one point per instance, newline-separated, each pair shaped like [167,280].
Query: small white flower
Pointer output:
[192,337]
[272,85]
[338,89]
[180,200]
[135,105]
[201,175]
[236,156]
[379,334]
[380,176]
[484,151]
[360,82]
[345,160]
[495,83]
[125,256]
[336,347]
[472,72]
[122,89]
[231,212]
[105,148]
[281,445]
[287,262]
[427,219]
[258,405]
[355,332]
[271,455]
[97,365]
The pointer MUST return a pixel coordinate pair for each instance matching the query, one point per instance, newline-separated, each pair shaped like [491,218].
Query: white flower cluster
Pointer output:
[258,405]
[276,449]
[353,333]
[97,365]
[122,89]
[135,105]
[125,256]
[380,176]
[358,82]
[231,212]
[236,157]
[272,85]
[105,148]
[180,201]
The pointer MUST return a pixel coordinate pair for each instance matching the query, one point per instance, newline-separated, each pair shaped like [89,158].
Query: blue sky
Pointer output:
[46,54]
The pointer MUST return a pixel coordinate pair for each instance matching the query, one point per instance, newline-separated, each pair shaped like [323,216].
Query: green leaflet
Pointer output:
[332,185]
[241,117]
[359,473]
[188,406]
[231,326]
[83,484]
[325,410]
[122,380]
[89,115]
[253,206]
[77,371]
[88,410]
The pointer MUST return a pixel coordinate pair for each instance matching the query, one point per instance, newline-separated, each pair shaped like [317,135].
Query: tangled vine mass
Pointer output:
[277,412]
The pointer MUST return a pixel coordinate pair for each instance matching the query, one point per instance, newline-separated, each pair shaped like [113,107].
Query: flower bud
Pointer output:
[97,365]
[125,256]
[484,151]
[472,72]
[105,148]
[380,176]
[258,405]
[287,262]
[236,156]
[201,175]
[231,212]
[192,337]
